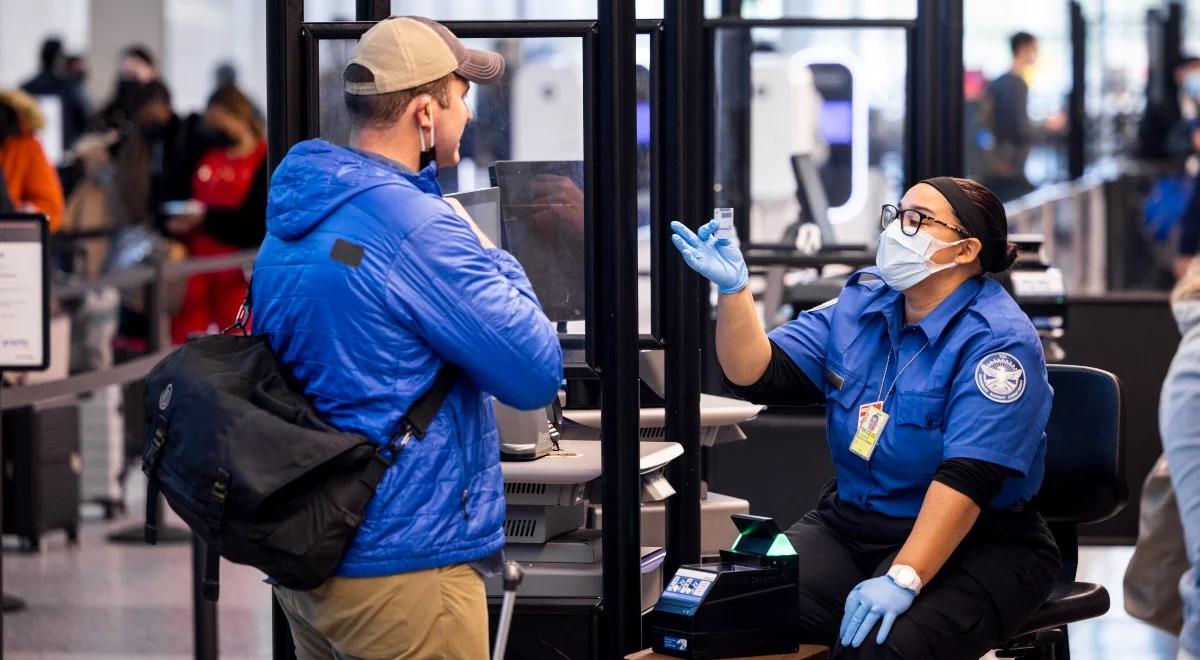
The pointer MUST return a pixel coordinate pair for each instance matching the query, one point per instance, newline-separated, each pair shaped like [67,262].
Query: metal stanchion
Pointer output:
[157,337]
[282,645]
[204,612]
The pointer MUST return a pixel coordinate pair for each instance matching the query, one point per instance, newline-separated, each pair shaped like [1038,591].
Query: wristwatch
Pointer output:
[905,577]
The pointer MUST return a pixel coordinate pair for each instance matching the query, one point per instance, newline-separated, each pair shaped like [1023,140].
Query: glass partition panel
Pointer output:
[827,117]
[527,137]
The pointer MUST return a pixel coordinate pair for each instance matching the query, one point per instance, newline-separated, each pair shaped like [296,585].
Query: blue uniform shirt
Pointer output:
[978,390]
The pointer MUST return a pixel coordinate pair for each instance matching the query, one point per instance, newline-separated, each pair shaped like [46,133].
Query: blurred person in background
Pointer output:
[77,72]
[228,213]
[225,75]
[136,69]
[1179,425]
[32,182]
[1185,138]
[1006,114]
[156,156]
[53,80]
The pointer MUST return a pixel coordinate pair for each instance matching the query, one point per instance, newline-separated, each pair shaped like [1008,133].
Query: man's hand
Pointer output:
[462,213]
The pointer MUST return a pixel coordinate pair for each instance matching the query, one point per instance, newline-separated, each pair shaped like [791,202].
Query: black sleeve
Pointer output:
[782,384]
[979,480]
[244,226]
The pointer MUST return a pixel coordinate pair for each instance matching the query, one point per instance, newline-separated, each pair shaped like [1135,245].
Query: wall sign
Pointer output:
[24,292]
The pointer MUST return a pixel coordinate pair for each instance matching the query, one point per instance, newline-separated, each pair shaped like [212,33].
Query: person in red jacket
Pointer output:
[227,215]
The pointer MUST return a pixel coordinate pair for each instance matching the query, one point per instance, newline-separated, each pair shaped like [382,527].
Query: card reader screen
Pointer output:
[689,585]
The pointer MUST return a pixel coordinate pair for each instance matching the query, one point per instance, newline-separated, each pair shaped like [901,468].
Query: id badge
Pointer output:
[868,434]
[866,408]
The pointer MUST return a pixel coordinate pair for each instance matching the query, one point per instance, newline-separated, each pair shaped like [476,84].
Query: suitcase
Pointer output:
[42,465]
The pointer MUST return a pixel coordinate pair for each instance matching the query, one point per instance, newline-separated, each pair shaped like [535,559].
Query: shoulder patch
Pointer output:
[828,303]
[1000,377]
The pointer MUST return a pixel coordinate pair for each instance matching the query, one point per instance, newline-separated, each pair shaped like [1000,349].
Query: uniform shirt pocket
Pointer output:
[915,442]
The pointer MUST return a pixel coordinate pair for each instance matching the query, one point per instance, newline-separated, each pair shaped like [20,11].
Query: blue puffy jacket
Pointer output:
[367,281]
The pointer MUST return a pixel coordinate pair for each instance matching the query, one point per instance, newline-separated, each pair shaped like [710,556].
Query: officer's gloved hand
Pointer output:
[872,600]
[719,260]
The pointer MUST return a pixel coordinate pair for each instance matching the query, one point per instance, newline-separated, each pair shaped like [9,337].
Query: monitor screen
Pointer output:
[484,208]
[542,213]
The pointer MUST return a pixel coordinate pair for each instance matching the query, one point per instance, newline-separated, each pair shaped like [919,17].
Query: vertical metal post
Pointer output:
[204,613]
[683,153]
[283,647]
[935,75]
[285,78]
[372,10]
[1077,119]
[618,331]
[285,125]
[950,82]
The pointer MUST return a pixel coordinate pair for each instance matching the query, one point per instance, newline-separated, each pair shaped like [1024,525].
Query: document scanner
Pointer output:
[746,604]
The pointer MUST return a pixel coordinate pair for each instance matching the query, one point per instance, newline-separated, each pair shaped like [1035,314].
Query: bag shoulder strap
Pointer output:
[421,413]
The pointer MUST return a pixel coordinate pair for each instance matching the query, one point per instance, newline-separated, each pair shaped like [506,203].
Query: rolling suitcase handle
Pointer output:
[512,579]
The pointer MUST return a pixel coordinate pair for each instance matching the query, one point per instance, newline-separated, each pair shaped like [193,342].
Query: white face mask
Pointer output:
[904,260]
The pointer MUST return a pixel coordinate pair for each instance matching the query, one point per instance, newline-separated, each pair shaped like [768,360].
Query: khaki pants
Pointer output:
[438,614]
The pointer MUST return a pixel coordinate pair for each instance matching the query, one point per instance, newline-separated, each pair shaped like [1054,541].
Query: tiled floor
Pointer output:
[102,601]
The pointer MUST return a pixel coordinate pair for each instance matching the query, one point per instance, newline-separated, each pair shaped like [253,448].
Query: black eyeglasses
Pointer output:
[912,219]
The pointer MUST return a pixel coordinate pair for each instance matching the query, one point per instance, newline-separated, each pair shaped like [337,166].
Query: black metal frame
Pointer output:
[682,160]
[688,100]
[585,30]
[612,337]
[372,10]
[1076,112]
[920,85]
[935,91]
[616,328]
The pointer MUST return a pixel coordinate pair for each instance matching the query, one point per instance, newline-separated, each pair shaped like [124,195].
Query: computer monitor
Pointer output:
[542,215]
[483,206]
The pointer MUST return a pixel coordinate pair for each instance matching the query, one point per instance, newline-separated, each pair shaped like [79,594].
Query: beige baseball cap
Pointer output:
[403,52]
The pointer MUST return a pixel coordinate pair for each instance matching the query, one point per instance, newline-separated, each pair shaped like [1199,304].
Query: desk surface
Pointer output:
[714,411]
[806,652]
[579,462]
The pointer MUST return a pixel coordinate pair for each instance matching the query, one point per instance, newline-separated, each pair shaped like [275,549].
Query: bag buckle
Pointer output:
[159,439]
[220,489]
[395,447]
[239,321]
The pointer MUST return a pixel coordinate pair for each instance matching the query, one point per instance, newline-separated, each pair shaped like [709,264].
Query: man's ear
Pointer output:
[421,106]
[970,250]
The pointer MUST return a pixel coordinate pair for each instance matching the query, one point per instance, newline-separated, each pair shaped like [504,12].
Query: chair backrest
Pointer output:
[1085,452]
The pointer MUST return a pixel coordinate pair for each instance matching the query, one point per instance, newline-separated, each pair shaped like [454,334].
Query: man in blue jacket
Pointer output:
[367,283]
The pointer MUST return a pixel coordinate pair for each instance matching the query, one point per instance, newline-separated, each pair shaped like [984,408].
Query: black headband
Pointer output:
[969,215]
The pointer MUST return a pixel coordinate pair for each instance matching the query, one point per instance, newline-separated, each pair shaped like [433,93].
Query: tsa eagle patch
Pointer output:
[1000,377]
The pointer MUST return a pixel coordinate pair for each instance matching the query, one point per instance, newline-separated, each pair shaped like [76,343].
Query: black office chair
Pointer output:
[1084,483]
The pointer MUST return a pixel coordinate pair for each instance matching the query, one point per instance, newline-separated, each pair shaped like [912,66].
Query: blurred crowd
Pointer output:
[137,181]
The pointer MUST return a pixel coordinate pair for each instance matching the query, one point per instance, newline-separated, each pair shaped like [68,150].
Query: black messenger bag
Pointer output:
[243,458]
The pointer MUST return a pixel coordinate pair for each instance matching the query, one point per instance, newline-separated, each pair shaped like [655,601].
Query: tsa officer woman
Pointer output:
[934,383]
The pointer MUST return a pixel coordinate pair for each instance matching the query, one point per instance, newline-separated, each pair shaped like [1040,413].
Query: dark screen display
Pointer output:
[542,213]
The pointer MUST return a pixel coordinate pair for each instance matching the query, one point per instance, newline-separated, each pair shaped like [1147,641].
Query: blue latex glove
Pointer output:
[719,260]
[872,600]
